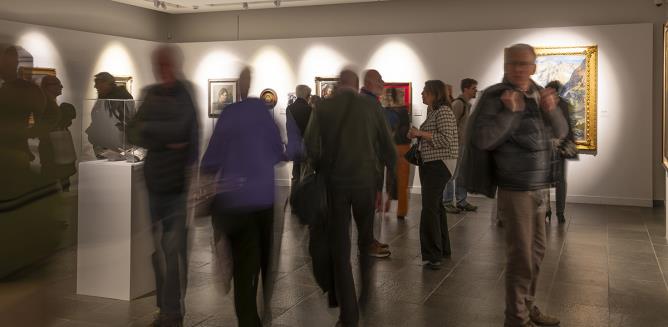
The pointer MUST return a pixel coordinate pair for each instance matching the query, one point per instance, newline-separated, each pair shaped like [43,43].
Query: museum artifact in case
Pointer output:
[104,124]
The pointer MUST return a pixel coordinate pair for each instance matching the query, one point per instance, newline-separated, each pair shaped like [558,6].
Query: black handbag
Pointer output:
[309,198]
[413,155]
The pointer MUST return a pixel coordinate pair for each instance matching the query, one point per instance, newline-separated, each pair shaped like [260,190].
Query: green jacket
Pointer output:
[362,142]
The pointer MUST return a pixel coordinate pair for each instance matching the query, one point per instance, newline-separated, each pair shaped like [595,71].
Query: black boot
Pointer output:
[561,218]
[548,215]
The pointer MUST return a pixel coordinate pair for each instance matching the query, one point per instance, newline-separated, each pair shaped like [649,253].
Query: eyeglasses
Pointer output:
[520,64]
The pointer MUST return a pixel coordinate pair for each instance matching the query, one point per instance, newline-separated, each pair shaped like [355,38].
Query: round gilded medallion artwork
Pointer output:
[269,97]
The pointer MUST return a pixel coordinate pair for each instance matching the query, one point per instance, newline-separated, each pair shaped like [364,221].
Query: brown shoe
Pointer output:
[541,319]
[375,250]
[381,245]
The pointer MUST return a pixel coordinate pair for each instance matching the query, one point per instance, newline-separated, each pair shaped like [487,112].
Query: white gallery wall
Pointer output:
[620,172]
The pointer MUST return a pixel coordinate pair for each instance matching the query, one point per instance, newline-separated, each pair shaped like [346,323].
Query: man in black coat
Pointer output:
[300,112]
[166,125]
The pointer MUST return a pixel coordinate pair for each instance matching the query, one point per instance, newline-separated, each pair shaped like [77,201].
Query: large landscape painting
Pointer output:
[576,69]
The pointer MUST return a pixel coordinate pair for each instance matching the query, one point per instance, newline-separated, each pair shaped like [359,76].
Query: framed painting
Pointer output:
[35,74]
[324,86]
[577,69]
[124,81]
[397,95]
[222,92]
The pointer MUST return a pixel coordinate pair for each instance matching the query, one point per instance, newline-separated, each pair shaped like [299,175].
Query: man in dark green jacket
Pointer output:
[345,139]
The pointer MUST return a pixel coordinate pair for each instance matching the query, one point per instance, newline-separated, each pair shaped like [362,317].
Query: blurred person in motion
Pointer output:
[299,113]
[166,125]
[55,118]
[455,193]
[566,148]
[243,150]
[345,139]
[372,89]
[509,148]
[439,146]
[396,108]
[19,101]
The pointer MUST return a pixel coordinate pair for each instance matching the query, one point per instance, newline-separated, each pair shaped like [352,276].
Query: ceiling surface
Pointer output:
[194,6]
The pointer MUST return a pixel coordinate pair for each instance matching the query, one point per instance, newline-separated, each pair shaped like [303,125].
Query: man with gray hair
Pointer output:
[509,147]
[298,115]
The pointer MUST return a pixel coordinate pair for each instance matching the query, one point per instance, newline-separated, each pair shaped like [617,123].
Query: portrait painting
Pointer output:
[397,95]
[576,68]
[222,92]
[324,86]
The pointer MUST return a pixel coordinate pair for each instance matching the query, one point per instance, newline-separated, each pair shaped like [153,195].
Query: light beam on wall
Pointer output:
[116,60]
[398,62]
[320,61]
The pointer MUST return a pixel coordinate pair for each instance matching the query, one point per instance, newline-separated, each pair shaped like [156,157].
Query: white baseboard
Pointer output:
[584,199]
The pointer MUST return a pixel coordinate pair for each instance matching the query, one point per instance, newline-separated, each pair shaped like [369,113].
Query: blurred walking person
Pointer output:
[345,139]
[243,150]
[166,125]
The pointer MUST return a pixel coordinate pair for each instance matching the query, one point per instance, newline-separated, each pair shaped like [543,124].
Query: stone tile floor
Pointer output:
[607,266]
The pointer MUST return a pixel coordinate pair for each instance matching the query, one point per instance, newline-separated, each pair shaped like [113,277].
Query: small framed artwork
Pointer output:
[35,74]
[222,92]
[324,86]
[397,95]
[124,81]
[269,97]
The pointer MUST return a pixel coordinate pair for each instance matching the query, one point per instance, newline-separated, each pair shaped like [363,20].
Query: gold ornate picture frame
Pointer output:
[124,81]
[577,69]
[35,74]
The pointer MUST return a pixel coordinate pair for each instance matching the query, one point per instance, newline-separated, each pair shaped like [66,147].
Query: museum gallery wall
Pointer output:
[622,139]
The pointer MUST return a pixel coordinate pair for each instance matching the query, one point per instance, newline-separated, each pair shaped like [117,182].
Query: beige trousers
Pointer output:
[523,215]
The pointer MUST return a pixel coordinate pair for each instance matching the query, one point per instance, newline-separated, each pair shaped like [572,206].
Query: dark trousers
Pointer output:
[561,188]
[296,173]
[250,236]
[434,238]
[361,200]
[170,263]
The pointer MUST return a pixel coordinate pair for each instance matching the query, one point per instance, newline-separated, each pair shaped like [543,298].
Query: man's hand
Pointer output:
[513,100]
[548,99]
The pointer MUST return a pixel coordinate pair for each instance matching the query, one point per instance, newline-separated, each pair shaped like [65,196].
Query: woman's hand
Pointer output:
[413,133]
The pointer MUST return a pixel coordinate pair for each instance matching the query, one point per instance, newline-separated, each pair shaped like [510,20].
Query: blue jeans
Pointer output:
[454,191]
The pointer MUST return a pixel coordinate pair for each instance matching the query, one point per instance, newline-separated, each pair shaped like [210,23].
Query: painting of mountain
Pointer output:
[576,69]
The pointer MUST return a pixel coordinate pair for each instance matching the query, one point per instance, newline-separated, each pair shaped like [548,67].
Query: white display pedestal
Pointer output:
[115,242]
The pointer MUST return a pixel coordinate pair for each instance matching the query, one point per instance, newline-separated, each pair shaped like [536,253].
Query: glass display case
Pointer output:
[104,125]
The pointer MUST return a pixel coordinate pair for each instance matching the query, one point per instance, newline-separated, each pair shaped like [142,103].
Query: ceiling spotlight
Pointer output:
[277,3]
[244,5]
[195,7]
